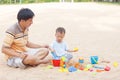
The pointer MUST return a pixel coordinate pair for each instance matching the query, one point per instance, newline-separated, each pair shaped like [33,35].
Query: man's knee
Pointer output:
[45,51]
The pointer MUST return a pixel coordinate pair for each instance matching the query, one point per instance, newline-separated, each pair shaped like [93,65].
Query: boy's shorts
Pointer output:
[17,62]
[68,57]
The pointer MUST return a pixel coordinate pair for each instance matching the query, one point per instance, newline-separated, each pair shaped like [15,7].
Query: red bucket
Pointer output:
[56,63]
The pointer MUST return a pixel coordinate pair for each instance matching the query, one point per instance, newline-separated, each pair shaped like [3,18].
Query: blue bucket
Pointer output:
[94,59]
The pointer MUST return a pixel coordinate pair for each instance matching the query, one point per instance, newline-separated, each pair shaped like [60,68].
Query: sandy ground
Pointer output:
[93,28]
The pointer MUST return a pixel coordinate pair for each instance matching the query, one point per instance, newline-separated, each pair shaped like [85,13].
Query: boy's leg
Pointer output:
[68,57]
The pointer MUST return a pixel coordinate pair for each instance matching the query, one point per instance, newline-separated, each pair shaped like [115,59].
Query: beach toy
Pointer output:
[105,61]
[63,70]
[115,64]
[88,66]
[91,70]
[94,73]
[63,58]
[98,67]
[56,63]
[86,69]
[54,55]
[81,60]
[98,70]
[94,59]
[72,69]
[76,49]
[62,62]
[78,70]
[81,68]
[77,65]
[49,67]
[107,68]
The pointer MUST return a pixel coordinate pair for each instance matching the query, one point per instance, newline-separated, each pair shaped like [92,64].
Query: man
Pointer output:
[16,44]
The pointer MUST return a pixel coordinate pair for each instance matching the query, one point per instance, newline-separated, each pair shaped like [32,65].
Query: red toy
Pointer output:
[107,68]
[56,63]
[81,68]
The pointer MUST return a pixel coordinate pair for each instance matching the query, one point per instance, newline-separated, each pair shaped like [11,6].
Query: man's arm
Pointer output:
[10,52]
[6,48]
[32,45]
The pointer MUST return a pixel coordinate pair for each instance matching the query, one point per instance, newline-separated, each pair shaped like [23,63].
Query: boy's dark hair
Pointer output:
[25,14]
[61,30]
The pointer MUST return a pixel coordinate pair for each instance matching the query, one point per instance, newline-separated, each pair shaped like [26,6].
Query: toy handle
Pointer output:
[54,55]
[94,59]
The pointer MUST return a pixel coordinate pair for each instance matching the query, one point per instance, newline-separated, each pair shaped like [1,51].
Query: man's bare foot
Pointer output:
[45,61]
[30,60]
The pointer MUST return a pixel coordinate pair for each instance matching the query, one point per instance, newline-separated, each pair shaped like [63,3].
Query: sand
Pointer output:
[93,28]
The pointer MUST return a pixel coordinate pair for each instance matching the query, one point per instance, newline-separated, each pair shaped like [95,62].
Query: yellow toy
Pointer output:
[63,70]
[49,67]
[86,69]
[63,58]
[76,49]
[62,62]
[115,64]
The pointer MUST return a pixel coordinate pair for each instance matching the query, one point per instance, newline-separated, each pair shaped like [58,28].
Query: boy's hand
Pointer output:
[75,49]
[52,50]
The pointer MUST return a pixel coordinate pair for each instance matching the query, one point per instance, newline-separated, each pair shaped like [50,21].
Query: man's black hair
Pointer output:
[25,14]
[61,30]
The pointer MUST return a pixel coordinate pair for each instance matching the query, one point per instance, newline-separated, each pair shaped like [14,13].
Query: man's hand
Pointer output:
[22,55]
[45,46]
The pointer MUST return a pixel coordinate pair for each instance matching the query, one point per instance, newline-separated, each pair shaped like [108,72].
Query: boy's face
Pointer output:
[59,36]
[27,23]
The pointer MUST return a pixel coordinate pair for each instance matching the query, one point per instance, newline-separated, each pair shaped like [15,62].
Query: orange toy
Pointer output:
[77,65]
[99,70]
[62,63]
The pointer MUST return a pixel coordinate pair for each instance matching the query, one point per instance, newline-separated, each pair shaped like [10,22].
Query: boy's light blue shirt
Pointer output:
[60,48]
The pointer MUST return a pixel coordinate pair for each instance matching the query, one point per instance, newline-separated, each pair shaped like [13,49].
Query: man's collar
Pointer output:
[19,27]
